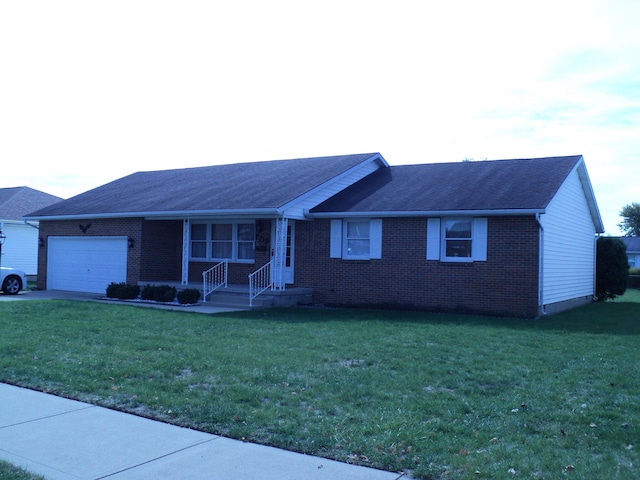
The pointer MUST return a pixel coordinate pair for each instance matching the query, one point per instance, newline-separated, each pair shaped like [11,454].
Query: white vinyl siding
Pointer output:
[298,208]
[568,245]
[20,249]
[356,239]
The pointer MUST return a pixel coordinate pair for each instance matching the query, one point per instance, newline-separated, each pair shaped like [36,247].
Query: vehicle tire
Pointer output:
[12,285]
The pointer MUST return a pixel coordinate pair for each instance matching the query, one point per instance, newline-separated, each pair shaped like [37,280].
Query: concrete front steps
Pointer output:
[237,296]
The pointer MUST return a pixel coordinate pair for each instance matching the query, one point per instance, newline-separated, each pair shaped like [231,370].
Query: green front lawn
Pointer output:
[440,396]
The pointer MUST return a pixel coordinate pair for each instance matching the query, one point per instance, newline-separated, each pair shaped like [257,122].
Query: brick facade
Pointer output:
[506,284]
[129,227]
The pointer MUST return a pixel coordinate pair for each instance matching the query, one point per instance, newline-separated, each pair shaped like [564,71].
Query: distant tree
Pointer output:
[630,224]
[612,268]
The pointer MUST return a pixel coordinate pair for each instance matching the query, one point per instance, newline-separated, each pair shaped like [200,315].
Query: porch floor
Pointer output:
[238,295]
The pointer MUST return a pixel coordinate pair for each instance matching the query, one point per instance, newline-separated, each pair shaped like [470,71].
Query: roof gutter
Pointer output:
[425,213]
[179,214]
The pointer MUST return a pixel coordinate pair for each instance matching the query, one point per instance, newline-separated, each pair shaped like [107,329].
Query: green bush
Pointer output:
[189,295]
[634,271]
[612,268]
[123,291]
[159,293]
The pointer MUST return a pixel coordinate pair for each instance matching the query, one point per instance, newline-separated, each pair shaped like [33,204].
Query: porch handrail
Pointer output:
[215,278]
[259,281]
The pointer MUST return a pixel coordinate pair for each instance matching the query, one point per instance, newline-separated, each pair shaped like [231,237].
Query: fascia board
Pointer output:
[266,212]
[429,213]
[291,204]
[590,195]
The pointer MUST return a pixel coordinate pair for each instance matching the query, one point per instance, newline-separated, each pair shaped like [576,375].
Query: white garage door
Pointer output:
[86,264]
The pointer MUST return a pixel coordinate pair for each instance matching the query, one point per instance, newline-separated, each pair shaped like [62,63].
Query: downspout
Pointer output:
[541,307]
[31,225]
[595,264]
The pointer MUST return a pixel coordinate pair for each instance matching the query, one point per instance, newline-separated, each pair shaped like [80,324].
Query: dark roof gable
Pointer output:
[525,184]
[16,202]
[242,186]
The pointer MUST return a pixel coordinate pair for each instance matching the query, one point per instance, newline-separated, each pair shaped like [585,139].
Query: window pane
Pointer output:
[245,250]
[221,250]
[458,248]
[458,229]
[358,248]
[221,231]
[199,232]
[357,229]
[199,249]
[246,232]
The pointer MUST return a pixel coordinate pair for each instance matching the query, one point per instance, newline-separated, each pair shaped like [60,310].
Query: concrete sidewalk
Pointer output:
[69,440]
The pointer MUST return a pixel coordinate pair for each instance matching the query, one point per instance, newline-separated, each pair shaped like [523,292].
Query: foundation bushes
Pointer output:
[159,293]
[123,291]
[189,295]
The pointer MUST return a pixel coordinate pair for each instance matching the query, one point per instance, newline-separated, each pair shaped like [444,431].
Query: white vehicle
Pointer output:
[12,280]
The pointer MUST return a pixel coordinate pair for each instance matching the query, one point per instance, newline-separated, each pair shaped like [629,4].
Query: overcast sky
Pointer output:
[92,91]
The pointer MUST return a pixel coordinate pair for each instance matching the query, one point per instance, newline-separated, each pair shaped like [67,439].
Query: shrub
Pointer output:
[159,293]
[123,291]
[634,271]
[189,295]
[612,268]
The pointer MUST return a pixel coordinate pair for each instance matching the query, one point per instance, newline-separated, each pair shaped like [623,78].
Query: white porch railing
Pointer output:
[259,281]
[215,278]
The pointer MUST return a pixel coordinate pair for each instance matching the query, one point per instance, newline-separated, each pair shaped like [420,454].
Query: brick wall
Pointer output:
[161,251]
[506,284]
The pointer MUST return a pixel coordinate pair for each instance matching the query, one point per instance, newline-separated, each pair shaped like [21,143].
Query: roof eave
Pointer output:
[428,213]
[254,212]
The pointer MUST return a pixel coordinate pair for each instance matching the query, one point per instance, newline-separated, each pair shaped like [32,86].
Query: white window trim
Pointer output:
[338,240]
[436,240]
[234,242]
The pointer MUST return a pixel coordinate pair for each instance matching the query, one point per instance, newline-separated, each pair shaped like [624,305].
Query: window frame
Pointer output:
[347,239]
[339,238]
[444,239]
[436,239]
[235,241]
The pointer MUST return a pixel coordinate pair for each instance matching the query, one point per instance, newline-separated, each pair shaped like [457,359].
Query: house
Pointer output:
[633,250]
[506,237]
[20,249]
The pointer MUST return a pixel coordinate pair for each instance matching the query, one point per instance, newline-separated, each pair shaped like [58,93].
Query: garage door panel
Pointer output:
[86,264]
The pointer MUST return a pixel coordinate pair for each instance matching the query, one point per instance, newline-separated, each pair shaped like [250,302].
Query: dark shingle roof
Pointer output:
[17,202]
[632,243]
[524,184]
[242,186]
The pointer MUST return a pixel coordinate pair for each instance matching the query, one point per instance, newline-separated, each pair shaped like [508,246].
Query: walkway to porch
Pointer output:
[238,295]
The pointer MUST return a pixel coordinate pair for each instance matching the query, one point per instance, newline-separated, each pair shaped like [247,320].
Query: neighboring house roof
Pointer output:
[498,186]
[632,243]
[17,202]
[249,187]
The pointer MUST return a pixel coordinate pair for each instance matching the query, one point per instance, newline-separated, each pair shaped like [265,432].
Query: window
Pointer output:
[457,239]
[218,241]
[356,239]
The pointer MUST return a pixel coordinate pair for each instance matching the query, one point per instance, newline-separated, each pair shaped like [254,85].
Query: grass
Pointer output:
[439,396]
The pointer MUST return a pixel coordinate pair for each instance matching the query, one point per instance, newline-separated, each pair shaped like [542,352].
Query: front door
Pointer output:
[282,260]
